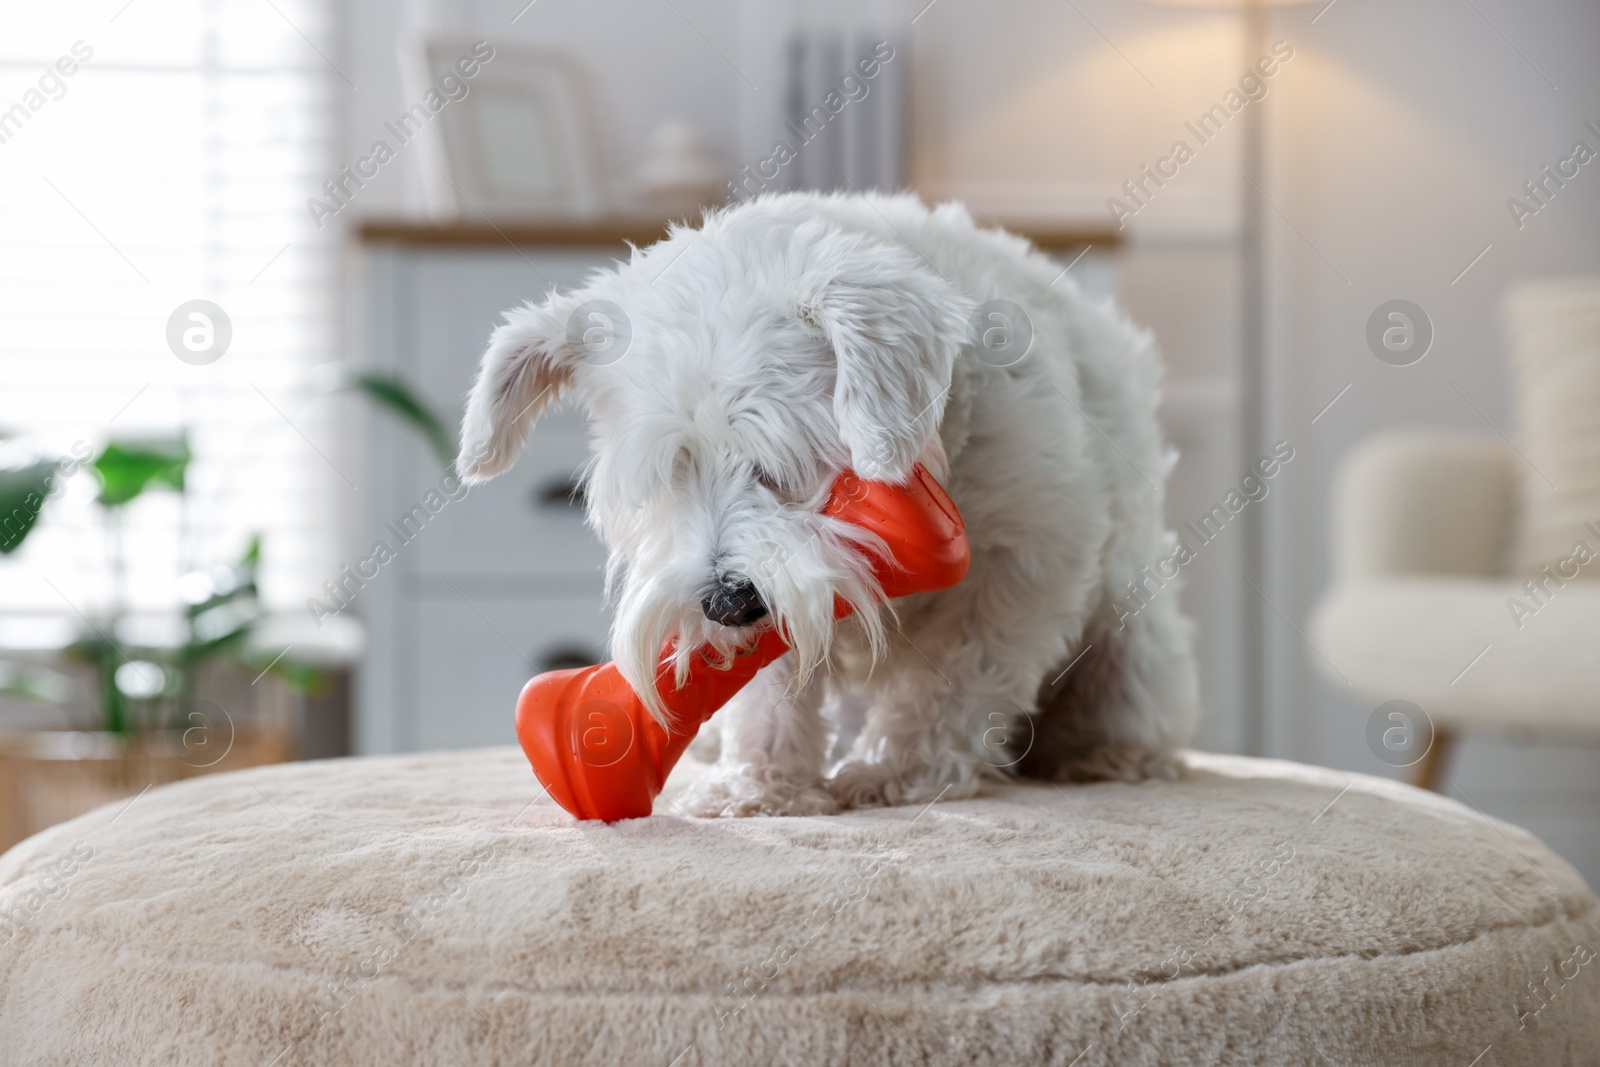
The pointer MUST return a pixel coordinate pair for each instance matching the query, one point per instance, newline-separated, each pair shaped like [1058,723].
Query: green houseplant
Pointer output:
[149,723]
[149,726]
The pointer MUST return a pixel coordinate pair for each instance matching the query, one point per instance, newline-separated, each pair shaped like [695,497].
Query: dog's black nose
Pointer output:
[734,603]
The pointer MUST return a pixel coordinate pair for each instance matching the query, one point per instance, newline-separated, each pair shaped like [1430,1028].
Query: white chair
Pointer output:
[1422,604]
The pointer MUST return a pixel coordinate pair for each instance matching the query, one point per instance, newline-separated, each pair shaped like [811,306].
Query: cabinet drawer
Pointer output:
[523,523]
[475,657]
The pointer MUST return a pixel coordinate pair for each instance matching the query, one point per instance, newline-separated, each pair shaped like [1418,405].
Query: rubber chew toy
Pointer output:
[593,744]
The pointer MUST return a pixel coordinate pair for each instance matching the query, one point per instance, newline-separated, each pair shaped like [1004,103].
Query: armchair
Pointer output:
[1425,604]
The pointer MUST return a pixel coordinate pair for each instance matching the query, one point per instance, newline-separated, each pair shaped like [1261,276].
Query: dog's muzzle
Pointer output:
[734,603]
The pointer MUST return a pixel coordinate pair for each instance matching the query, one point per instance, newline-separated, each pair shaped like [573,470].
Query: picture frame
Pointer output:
[522,142]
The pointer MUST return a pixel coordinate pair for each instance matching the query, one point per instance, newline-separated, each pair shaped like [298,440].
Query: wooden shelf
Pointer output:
[603,231]
[1059,237]
[1049,236]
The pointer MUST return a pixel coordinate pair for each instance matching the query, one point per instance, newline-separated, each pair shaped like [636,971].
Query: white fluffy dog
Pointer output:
[730,373]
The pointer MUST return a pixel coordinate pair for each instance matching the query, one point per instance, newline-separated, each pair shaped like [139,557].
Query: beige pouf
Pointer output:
[420,910]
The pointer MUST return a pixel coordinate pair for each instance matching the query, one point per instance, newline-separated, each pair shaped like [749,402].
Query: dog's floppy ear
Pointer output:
[895,327]
[526,366]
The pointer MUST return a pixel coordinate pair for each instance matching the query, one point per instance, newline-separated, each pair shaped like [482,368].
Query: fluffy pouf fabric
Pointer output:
[422,910]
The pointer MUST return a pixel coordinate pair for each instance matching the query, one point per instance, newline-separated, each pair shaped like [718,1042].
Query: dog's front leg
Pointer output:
[774,744]
[916,746]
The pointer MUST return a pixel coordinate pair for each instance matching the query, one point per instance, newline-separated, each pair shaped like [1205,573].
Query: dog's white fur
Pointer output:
[794,336]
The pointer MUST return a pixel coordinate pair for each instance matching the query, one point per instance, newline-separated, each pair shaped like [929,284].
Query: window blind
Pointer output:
[153,153]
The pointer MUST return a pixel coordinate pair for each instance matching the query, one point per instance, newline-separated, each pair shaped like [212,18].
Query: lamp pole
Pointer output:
[1253,392]
[1254,368]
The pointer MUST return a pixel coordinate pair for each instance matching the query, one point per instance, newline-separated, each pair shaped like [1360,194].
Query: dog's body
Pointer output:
[797,335]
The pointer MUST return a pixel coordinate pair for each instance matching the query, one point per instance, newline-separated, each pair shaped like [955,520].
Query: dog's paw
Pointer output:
[864,784]
[1121,763]
[744,791]
[859,784]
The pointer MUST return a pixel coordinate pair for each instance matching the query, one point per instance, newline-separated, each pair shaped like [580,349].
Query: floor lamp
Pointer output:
[1252,362]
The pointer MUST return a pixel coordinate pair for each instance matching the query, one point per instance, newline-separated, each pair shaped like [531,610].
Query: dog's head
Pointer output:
[729,374]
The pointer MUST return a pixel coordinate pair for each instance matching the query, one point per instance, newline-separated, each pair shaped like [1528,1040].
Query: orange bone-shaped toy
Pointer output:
[595,747]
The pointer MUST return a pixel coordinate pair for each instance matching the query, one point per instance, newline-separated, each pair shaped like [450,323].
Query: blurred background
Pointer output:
[252,248]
